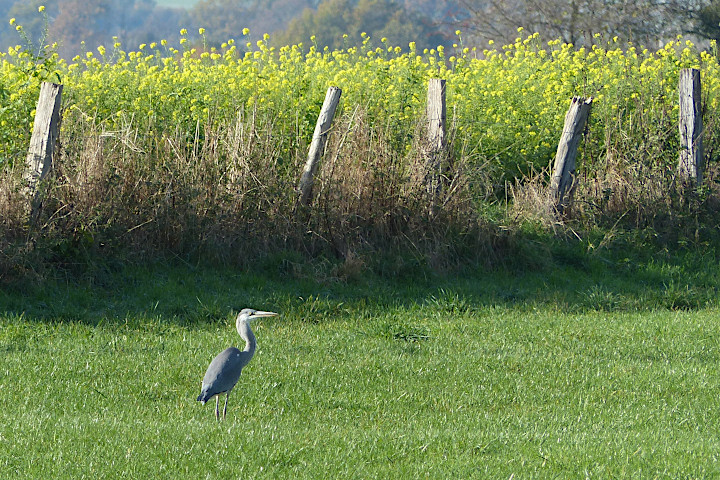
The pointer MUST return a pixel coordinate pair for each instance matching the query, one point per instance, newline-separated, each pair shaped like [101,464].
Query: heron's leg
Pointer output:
[217,407]
[227,395]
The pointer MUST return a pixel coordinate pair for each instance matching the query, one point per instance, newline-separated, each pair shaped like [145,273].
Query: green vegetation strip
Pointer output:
[445,378]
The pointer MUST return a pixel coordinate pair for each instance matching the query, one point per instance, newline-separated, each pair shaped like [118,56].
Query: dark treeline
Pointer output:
[80,25]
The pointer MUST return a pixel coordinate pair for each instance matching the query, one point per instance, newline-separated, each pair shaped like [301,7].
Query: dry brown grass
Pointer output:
[227,193]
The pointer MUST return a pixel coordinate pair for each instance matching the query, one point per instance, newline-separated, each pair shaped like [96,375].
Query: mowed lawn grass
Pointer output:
[438,378]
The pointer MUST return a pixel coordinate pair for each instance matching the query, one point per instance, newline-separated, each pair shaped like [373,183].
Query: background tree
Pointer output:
[226,19]
[155,25]
[708,20]
[222,19]
[429,23]
[378,18]
[97,22]
[26,14]
[576,21]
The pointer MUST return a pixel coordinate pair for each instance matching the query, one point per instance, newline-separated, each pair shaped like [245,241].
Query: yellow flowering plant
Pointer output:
[507,105]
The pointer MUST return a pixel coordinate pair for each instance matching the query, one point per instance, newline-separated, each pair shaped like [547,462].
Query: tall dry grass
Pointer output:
[227,193]
[628,179]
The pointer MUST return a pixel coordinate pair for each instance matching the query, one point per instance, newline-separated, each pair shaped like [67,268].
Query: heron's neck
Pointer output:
[246,334]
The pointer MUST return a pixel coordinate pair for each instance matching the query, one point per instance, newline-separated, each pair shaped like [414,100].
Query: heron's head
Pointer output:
[248,314]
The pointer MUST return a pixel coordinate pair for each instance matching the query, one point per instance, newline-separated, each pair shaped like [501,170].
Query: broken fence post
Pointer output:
[690,166]
[563,176]
[324,121]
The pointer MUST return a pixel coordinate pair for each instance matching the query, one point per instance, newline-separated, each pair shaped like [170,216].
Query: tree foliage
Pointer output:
[226,19]
[335,23]
[79,25]
[709,21]
[577,21]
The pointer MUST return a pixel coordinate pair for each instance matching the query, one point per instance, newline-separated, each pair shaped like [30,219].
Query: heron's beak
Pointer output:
[263,314]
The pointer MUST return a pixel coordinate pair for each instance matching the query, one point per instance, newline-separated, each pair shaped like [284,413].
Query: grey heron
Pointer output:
[224,371]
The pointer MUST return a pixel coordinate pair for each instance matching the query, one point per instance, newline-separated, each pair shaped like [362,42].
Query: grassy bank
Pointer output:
[600,369]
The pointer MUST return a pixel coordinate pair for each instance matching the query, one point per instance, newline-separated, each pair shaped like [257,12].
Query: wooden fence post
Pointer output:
[690,166]
[562,184]
[46,130]
[436,132]
[436,113]
[324,121]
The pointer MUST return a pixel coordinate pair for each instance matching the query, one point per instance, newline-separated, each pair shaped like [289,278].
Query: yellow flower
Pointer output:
[246,31]
[201,31]
[41,8]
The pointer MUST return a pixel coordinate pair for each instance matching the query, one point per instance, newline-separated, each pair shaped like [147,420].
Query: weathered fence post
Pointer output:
[436,114]
[563,176]
[690,166]
[46,130]
[435,149]
[324,121]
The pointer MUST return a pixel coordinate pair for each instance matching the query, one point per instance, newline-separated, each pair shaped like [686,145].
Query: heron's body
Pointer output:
[224,371]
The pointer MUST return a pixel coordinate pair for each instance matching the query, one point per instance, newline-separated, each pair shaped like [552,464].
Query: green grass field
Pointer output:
[598,372]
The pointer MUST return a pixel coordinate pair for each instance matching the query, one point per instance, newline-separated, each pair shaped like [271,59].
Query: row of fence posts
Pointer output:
[46,130]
